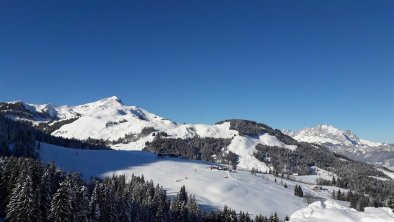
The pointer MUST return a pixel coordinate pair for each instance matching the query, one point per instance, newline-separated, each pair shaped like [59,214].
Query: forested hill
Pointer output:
[21,136]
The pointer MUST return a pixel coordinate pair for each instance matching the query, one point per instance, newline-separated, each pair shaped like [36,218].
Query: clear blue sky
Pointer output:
[289,64]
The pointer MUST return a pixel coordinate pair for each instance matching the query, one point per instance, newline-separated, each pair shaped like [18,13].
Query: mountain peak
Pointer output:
[111,99]
[325,133]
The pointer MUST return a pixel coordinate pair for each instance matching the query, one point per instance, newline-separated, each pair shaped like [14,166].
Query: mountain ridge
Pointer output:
[347,143]
[126,127]
[325,133]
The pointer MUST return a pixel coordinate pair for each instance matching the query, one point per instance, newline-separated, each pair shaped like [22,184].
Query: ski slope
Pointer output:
[213,188]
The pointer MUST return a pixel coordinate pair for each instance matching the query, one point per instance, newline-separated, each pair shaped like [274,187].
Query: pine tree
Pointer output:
[298,191]
[353,203]
[106,200]
[94,207]
[23,204]
[349,196]
[159,199]
[4,151]
[4,194]
[333,181]
[45,195]
[274,218]
[182,195]
[61,210]
[193,209]
[178,207]
[390,202]
[126,209]
[81,204]
[339,195]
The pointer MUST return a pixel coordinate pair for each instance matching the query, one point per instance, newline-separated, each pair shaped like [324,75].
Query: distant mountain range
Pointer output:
[130,128]
[347,143]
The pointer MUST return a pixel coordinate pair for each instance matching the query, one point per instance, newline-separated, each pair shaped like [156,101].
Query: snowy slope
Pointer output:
[329,211]
[244,147]
[213,189]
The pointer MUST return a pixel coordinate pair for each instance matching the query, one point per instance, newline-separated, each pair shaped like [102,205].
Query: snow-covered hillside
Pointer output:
[329,211]
[130,127]
[213,188]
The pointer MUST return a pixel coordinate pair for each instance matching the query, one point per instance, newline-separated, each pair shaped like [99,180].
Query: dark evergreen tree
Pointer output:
[4,150]
[23,204]
[94,207]
[390,202]
[333,181]
[193,209]
[45,195]
[298,191]
[182,195]
[61,209]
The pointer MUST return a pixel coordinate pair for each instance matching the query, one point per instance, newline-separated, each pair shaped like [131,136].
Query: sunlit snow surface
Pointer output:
[330,211]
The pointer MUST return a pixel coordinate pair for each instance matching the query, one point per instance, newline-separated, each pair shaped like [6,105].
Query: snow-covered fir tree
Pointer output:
[61,209]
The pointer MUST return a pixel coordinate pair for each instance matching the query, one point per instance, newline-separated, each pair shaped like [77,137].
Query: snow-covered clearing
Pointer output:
[320,173]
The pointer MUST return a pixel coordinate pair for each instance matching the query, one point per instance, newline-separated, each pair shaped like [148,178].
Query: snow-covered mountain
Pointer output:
[321,134]
[344,142]
[130,127]
[126,127]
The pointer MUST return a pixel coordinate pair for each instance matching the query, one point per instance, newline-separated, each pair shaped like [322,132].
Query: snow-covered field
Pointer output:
[320,173]
[213,188]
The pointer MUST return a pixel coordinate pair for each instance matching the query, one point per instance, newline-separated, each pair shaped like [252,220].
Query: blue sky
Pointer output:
[289,64]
